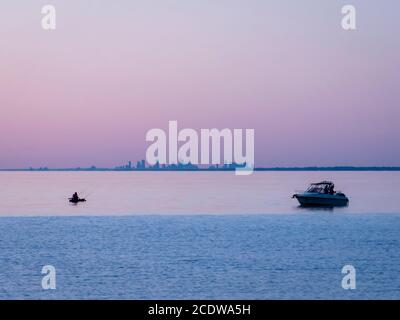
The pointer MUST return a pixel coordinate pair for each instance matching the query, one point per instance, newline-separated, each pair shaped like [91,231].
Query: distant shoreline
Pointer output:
[338,168]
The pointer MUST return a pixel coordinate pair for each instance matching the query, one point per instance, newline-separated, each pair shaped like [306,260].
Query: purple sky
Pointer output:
[88,92]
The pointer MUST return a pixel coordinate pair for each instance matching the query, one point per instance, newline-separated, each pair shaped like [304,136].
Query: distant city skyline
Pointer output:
[87,92]
[142,165]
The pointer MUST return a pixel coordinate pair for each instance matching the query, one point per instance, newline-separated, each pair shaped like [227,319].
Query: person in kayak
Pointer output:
[75,197]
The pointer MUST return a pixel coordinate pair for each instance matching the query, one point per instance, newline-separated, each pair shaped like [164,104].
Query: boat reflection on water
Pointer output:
[322,194]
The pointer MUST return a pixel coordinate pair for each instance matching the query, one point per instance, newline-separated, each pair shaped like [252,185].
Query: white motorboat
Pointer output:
[322,194]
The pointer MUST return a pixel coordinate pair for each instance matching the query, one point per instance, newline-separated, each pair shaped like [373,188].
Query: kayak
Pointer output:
[76,201]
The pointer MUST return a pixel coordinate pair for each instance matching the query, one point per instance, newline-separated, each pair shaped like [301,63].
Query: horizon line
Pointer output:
[291,168]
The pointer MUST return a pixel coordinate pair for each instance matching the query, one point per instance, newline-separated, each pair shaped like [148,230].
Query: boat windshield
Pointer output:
[321,188]
[316,188]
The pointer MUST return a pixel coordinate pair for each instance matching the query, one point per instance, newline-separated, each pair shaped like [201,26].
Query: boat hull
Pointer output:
[76,201]
[322,200]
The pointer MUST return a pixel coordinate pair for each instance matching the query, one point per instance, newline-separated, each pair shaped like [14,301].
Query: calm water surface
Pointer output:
[129,193]
[181,235]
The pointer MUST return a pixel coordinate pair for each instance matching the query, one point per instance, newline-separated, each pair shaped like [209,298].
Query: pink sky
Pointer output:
[87,93]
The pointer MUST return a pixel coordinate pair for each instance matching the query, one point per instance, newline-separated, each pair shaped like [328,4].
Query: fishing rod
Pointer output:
[88,194]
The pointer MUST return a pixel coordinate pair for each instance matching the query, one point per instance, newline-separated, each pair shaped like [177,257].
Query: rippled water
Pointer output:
[193,257]
[147,236]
